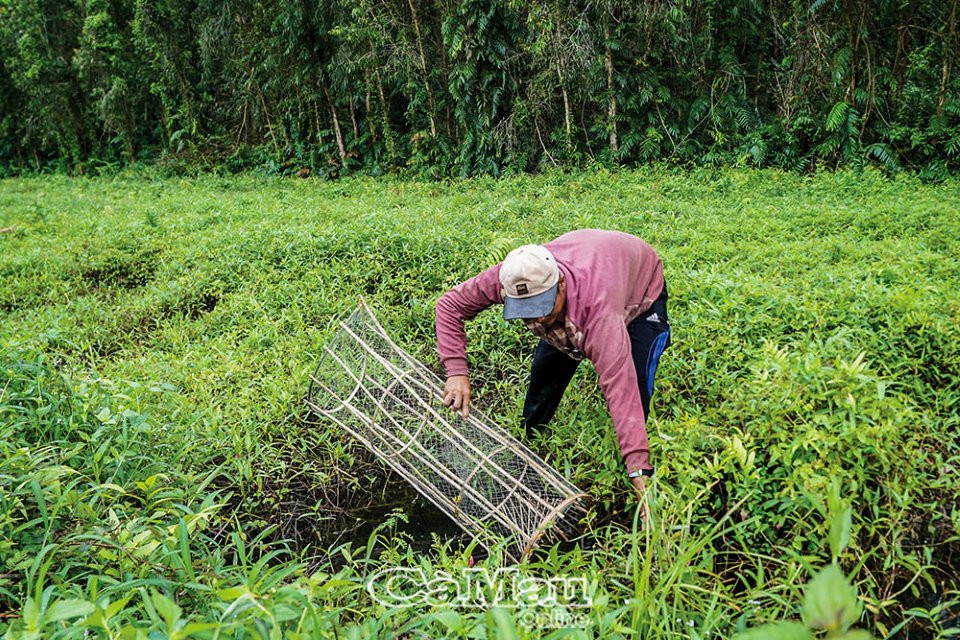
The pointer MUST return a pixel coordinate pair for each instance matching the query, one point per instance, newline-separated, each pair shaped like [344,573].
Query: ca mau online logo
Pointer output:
[479,587]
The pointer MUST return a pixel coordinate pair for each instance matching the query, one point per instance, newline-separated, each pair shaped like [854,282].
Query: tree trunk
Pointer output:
[945,70]
[336,125]
[266,115]
[368,115]
[566,107]
[423,67]
[445,66]
[130,129]
[563,89]
[185,91]
[852,44]
[387,132]
[353,119]
[164,120]
[612,100]
[316,120]
[244,129]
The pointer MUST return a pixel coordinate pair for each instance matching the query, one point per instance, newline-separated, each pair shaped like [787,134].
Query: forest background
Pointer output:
[467,87]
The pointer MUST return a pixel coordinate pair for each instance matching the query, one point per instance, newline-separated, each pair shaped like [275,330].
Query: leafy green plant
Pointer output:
[159,475]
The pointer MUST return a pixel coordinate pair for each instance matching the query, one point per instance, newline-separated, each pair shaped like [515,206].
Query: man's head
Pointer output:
[530,278]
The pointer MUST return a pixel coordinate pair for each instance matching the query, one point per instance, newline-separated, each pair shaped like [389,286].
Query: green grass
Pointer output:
[158,470]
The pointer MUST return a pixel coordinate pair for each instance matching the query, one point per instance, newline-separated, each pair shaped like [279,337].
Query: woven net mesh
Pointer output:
[477,473]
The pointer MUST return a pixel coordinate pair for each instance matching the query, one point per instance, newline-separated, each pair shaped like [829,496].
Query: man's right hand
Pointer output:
[640,488]
[456,393]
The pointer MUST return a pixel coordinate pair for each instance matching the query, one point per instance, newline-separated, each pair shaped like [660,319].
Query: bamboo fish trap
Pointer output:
[478,474]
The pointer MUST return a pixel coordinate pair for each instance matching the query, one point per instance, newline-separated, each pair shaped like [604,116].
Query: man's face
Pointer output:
[558,305]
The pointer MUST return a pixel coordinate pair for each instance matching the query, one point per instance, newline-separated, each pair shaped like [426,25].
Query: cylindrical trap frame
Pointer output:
[486,480]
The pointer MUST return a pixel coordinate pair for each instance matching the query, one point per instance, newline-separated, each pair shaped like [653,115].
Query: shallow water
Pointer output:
[424,521]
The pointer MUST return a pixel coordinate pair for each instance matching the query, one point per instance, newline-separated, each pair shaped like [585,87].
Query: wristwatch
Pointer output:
[641,472]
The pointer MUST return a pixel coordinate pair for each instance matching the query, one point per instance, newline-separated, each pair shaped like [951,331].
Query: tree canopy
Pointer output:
[465,87]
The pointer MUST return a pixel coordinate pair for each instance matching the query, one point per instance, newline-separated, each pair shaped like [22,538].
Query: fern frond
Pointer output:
[841,64]
[497,250]
[953,146]
[837,116]
[816,6]
[884,154]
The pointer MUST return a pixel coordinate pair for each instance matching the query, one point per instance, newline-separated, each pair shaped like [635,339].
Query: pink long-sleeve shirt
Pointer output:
[611,277]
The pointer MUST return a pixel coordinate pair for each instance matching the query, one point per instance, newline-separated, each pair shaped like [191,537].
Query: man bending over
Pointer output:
[589,294]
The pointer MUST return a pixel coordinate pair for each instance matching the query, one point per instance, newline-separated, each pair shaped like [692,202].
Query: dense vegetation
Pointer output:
[158,469]
[472,87]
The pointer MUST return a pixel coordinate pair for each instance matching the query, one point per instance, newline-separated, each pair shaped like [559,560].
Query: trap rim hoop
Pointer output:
[553,516]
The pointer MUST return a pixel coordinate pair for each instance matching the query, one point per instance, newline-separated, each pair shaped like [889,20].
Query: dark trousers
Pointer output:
[552,369]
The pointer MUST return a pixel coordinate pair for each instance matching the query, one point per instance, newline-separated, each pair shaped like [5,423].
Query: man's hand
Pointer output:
[456,393]
[640,487]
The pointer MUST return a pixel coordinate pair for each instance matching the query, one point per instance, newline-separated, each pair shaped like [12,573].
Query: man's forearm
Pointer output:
[608,347]
[457,305]
[451,337]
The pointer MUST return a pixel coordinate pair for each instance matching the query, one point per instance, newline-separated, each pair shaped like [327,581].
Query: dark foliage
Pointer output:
[463,87]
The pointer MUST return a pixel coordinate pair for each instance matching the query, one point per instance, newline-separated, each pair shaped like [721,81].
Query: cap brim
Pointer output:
[533,307]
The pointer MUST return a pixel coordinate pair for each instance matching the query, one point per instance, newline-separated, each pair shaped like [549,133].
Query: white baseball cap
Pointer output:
[529,276]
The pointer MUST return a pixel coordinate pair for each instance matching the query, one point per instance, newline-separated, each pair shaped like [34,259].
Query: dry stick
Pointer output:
[542,529]
[566,105]
[336,124]
[387,130]
[536,126]
[612,98]
[266,115]
[423,67]
[369,120]
[243,116]
[353,118]
[945,69]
